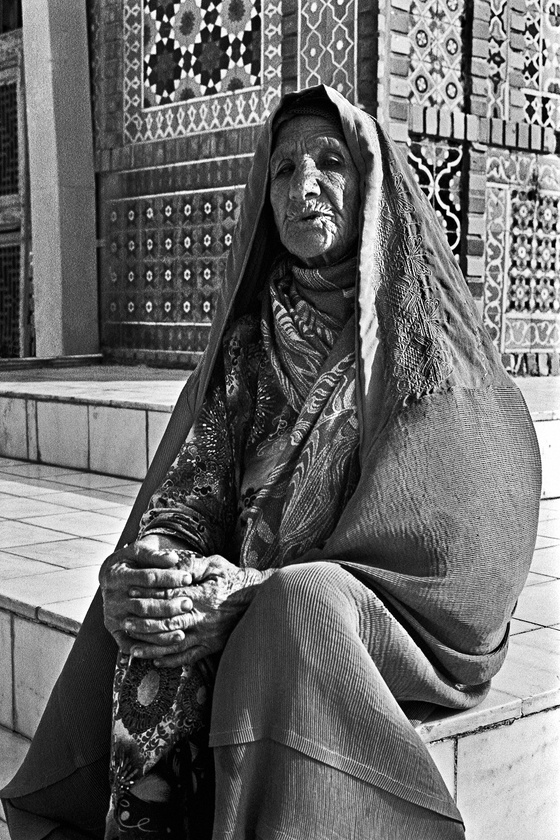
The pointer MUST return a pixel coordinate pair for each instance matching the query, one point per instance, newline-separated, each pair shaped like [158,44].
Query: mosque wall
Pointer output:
[470,89]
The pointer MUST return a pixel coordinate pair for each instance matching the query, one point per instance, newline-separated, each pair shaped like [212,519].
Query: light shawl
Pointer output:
[443,521]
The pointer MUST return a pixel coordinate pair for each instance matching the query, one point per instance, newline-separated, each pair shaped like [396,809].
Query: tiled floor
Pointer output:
[57,526]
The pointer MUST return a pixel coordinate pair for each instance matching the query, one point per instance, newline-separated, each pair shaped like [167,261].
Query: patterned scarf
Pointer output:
[305,475]
[302,319]
[311,467]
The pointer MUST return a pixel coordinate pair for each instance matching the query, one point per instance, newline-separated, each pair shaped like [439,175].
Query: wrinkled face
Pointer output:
[314,191]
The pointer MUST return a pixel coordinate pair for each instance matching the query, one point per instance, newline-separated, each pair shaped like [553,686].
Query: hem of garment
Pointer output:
[340,762]
[11,791]
[270,834]
[23,825]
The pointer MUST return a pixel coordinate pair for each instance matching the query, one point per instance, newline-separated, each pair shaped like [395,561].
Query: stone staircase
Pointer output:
[58,520]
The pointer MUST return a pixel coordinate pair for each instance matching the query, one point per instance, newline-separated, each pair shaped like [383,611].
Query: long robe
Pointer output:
[442,523]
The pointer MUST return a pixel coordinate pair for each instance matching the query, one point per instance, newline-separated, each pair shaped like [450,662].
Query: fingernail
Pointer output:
[129,625]
[134,593]
[187,580]
[157,663]
[186,606]
[136,651]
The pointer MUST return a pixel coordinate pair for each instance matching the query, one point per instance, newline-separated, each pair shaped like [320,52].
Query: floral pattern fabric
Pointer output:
[261,479]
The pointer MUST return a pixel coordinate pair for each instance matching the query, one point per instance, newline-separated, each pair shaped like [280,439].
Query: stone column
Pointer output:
[61,172]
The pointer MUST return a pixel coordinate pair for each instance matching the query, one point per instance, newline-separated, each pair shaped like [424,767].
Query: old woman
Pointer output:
[329,543]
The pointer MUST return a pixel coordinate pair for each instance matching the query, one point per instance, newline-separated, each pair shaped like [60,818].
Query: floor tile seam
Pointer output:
[54,531]
[54,479]
[68,505]
[40,574]
[19,557]
[547,578]
[537,625]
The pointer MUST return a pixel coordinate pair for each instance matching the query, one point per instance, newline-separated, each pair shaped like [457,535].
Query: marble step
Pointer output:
[113,426]
[13,749]
[501,760]
[97,423]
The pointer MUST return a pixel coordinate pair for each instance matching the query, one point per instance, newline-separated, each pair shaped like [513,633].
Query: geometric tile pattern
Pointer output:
[199,65]
[166,259]
[534,270]
[9,301]
[327,45]
[200,48]
[435,64]
[9,174]
[498,65]
[438,166]
[521,304]
[541,69]
[497,214]
[96,54]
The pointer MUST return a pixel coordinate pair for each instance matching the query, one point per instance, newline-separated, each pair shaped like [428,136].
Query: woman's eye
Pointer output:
[284,169]
[332,161]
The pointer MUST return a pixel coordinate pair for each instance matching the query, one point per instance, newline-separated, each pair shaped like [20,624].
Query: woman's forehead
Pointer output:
[307,126]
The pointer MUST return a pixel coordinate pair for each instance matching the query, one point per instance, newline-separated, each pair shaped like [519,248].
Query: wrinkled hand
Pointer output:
[215,601]
[148,566]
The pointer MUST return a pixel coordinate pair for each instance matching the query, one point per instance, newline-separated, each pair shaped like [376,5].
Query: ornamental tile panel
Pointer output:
[498,59]
[541,69]
[437,166]
[435,65]
[327,45]
[199,65]
[522,270]
[166,257]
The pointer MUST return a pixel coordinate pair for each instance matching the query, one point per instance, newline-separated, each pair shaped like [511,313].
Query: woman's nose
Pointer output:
[305,181]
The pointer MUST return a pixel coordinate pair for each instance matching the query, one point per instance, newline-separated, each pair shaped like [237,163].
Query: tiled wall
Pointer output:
[181,89]
[101,438]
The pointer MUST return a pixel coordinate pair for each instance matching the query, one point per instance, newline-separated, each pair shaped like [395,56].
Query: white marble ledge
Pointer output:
[150,395]
[57,598]
[528,682]
[497,707]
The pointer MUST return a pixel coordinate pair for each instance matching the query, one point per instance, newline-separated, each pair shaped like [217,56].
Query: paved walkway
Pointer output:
[57,525]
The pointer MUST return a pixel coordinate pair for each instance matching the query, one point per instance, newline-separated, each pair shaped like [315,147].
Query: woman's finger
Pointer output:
[145,626]
[164,594]
[147,651]
[158,607]
[164,638]
[186,658]
[153,578]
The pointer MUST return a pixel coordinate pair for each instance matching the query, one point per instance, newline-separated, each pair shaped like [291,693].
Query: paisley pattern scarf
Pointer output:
[286,399]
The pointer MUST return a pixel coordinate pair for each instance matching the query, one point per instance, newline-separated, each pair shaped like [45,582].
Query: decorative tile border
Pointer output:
[521,302]
[203,114]
[327,45]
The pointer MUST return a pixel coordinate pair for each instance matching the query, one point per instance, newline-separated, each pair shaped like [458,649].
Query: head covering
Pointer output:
[315,104]
[443,520]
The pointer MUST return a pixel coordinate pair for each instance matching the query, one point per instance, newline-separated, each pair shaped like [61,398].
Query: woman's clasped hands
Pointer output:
[175,616]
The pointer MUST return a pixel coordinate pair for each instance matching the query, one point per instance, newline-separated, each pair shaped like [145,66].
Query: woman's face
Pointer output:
[314,191]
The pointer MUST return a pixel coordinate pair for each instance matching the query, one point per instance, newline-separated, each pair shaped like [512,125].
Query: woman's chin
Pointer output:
[312,251]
